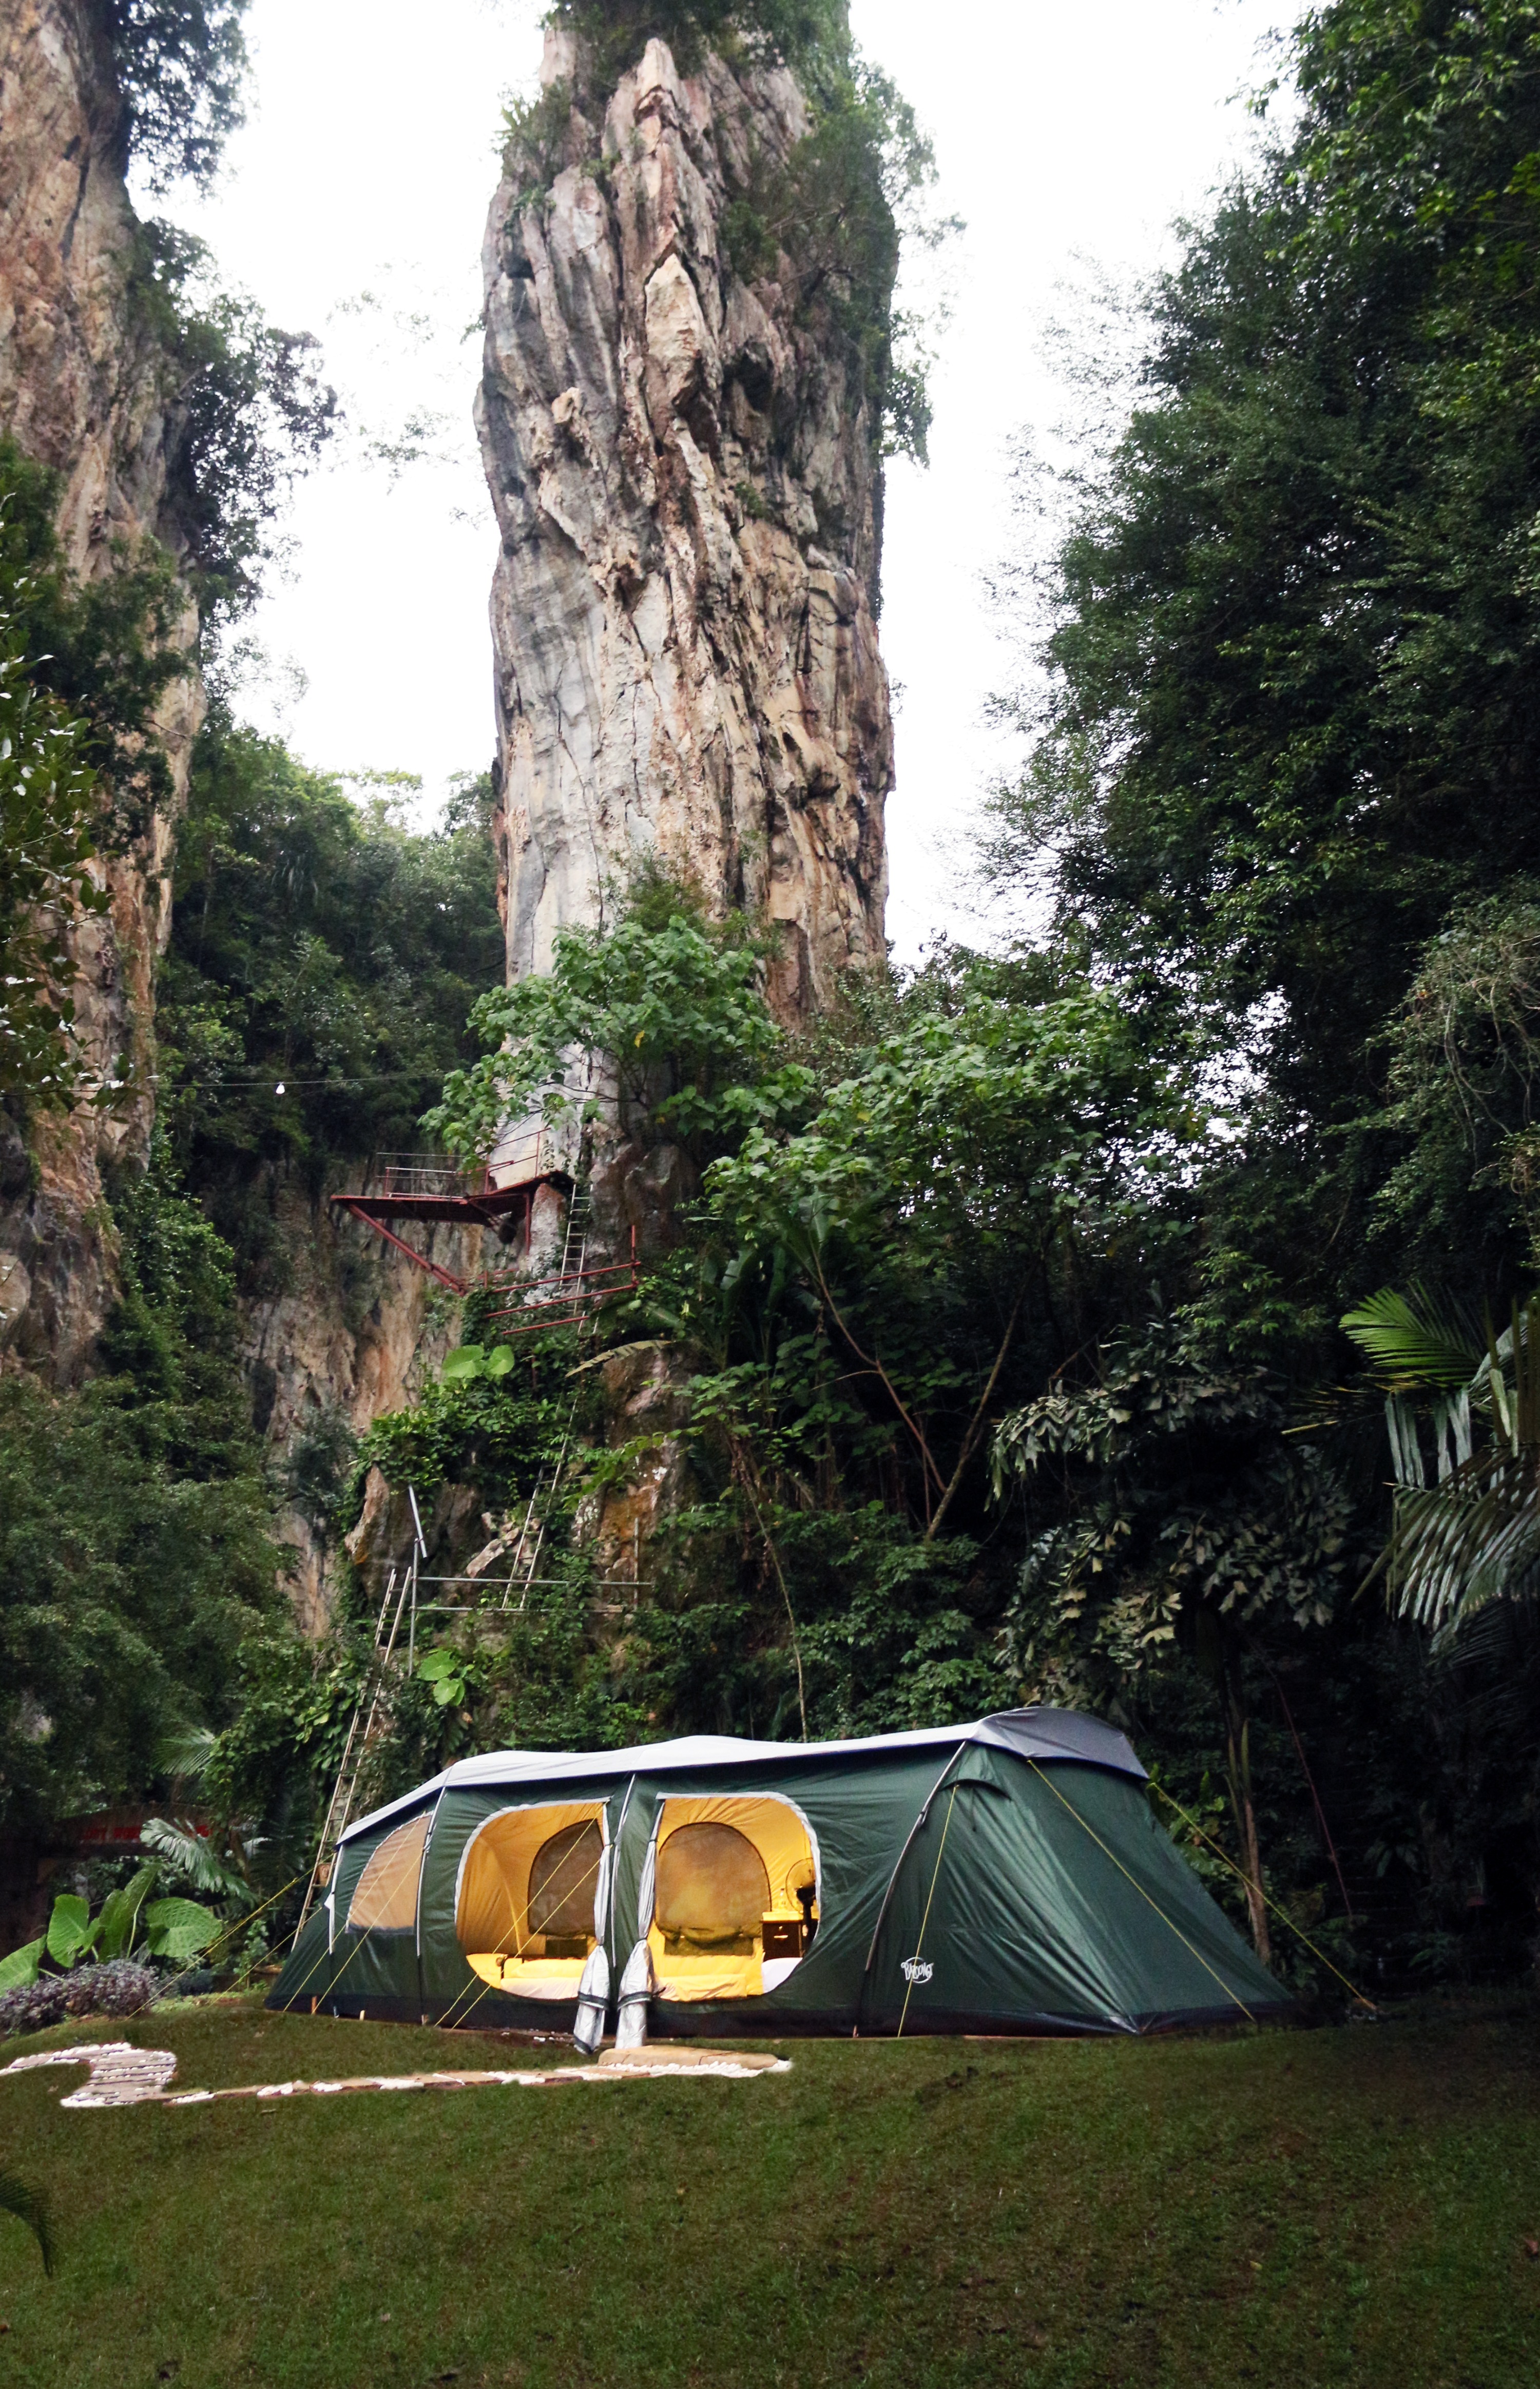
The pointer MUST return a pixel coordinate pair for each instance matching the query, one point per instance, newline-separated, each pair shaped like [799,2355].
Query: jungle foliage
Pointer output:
[324,957]
[180,66]
[135,1554]
[1277,789]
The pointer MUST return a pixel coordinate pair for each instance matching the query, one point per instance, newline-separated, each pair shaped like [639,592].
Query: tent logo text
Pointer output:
[917,1970]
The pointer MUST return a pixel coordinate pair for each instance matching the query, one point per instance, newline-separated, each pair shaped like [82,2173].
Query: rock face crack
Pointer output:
[687,487]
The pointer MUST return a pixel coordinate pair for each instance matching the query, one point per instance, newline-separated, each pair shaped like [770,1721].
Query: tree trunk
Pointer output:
[1238,1770]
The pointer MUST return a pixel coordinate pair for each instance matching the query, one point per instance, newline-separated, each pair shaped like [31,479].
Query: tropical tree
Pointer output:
[664,1001]
[1464,1429]
[923,1202]
[1170,1510]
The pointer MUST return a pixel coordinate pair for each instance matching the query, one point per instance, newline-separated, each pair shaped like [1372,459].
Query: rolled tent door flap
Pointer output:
[593,1990]
[385,1896]
[636,1982]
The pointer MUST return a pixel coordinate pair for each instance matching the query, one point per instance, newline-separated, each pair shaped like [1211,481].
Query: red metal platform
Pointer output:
[419,1186]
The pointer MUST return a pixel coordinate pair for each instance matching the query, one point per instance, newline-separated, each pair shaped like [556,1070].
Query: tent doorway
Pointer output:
[528,1903]
[737,1897]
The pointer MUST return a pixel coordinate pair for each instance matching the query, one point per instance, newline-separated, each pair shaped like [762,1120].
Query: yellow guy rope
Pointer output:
[356,1950]
[242,1979]
[926,1918]
[1268,1901]
[229,1933]
[1142,1893]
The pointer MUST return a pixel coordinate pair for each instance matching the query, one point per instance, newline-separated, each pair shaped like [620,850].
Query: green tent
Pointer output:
[1006,1876]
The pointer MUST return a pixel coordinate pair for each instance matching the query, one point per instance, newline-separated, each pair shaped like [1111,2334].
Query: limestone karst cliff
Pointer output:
[687,490]
[83,389]
[94,388]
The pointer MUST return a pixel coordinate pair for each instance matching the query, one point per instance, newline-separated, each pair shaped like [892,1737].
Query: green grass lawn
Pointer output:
[1337,2206]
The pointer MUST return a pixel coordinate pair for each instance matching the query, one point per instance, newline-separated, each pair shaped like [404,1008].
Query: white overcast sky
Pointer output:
[352,206]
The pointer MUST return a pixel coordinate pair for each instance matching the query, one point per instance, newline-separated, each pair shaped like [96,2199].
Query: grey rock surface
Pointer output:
[688,493]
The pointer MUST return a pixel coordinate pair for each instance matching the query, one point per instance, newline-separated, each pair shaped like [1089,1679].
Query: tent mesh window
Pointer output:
[561,1889]
[385,1896]
[712,1891]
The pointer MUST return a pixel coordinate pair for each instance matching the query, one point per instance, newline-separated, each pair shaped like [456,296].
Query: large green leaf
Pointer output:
[467,1361]
[179,1929]
[21,1967]
[119,1914]
[69,1933]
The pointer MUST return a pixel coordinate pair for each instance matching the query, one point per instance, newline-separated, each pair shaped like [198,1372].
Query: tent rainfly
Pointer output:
[1006,1876]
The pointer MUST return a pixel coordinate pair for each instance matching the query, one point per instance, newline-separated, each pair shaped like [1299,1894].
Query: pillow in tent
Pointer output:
[712,1890]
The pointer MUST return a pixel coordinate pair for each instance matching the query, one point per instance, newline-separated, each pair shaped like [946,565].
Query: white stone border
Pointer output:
[122,2075]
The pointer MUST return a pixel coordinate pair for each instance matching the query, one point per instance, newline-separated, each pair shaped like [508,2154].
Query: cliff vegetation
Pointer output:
[1026,1327]
[1002,1329]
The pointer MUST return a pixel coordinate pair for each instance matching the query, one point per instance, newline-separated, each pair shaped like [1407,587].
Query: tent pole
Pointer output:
[935,1877]
[903,1854]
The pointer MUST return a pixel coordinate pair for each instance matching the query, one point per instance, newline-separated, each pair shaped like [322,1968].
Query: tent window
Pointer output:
[712,1890]
[561,1887]
[385,1896]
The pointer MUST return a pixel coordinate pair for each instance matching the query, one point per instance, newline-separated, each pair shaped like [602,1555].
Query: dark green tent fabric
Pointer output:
[1007,1876]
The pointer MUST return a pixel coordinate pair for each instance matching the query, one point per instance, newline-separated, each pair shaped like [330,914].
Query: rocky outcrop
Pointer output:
[687,489]
[357,1332]
[82,389]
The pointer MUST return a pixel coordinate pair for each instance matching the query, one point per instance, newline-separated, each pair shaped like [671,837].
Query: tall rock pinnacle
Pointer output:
[688,491]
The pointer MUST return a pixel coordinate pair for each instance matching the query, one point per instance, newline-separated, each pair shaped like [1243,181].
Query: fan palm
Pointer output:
[28,2206]
[1472,1535]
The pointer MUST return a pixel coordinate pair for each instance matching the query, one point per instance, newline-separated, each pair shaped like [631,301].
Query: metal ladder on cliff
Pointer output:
[372,1715]
[531,1538]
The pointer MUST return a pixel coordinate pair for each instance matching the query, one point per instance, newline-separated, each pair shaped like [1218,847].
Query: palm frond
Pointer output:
[185,1750]
[29,2205]
[187,1854]
[1469,1540]
[1415,1340]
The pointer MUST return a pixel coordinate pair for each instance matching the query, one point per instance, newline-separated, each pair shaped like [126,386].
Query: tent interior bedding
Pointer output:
[1007,1875]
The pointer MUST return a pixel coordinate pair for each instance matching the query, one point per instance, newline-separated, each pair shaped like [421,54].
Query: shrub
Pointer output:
[120,1988]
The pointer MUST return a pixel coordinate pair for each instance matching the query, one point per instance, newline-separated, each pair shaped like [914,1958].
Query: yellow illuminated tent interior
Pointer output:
[524,1907]
[728,1871]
